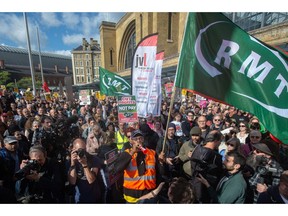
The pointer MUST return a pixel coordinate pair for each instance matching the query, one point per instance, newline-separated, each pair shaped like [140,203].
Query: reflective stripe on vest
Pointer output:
[133,181]
[120,140]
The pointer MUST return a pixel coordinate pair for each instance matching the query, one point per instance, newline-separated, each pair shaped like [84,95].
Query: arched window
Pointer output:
[130,51]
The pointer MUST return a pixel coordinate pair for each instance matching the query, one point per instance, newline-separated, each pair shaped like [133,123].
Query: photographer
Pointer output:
[40,178]
[206,160]
[46,137]
[267,169]
[10,158]
[83,173]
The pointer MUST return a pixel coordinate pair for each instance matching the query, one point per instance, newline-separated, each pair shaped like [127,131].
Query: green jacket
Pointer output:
[231,191]
[184,150]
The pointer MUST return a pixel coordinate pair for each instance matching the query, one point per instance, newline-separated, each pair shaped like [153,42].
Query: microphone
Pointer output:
[144,150]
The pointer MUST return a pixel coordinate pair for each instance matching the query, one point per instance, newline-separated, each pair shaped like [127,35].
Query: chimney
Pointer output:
[67,69]
[56,68]
[2,65]
[84,43]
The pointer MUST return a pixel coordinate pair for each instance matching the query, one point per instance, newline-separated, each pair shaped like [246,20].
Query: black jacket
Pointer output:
[271,196]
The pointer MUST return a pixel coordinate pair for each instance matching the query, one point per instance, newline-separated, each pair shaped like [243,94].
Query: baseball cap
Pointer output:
[136,133]
[10,139]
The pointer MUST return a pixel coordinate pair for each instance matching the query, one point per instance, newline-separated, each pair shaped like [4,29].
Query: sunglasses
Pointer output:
[138,138]
[128,137]
[254,137]
[242,126]
[229,144]
[217,120]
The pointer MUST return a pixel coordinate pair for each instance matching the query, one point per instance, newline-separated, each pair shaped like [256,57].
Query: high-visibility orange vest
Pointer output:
[133,181]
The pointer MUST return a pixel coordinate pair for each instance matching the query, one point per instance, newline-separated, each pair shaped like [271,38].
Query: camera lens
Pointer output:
[81,152]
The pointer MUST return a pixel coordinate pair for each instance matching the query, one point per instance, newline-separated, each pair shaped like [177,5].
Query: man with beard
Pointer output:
[267,169]
[187,149]
[232,187]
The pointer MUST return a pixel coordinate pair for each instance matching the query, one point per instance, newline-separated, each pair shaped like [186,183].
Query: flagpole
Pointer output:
[173,89]
[15,83]
[40,59]
[30,55]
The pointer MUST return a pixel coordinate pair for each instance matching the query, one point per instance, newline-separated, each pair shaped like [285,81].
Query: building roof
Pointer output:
[93,48]
[18,58]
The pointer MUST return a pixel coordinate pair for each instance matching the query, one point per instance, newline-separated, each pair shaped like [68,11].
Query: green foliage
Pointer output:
[4,77]
[26,82]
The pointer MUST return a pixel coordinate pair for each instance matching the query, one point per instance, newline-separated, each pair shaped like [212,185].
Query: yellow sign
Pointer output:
[16,90]
[48,97]
[184,92]
[29,96]
[56,95]
[3,87]
[99,96]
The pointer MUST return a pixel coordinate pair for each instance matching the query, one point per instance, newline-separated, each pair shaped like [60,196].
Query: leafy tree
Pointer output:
[26,82]
[4,77]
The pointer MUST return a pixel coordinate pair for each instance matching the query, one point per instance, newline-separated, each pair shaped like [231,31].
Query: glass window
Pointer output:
[129,51]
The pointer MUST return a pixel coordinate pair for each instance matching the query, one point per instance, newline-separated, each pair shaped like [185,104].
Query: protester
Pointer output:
[140,169]
[232,187]
[187,149]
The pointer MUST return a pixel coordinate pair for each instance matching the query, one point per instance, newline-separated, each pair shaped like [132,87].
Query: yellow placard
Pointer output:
[3,87]
[29,96]
[184,92]
[48,97]
[56,95]
[16,90]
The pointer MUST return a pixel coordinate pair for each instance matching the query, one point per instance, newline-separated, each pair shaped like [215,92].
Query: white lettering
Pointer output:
[227,49]
[253,59]
[282,85]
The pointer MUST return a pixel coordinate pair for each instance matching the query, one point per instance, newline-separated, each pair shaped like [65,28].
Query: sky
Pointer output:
[62,24]
[61,32]
[58,32]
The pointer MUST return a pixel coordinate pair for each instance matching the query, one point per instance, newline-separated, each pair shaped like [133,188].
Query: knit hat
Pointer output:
[171,125]
[12,129]
[263,148]
[195,131]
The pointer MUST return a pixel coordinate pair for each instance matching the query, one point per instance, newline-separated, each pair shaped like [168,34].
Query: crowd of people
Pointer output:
[60,152]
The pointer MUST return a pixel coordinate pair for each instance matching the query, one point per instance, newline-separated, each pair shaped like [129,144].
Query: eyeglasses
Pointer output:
[190,115]
[138,138]
[128,137]
[242,126]
[217,120]
[254,137]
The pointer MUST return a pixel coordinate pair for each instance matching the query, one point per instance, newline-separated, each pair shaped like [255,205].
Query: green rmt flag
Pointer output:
[220,60]
[112,84]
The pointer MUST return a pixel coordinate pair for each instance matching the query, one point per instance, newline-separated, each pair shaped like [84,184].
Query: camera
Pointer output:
[26,170]
[81,152]
[263,170]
